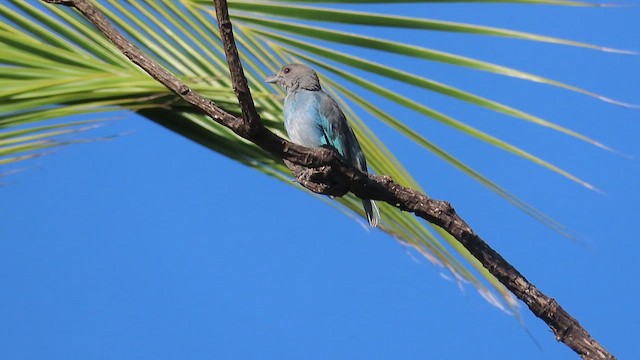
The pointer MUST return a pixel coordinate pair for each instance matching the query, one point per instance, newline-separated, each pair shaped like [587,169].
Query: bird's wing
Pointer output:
[338,133]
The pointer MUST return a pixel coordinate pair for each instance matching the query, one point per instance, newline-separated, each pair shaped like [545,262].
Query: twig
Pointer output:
[323,171]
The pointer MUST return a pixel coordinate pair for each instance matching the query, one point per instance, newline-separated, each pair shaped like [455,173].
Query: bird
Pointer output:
[312,118]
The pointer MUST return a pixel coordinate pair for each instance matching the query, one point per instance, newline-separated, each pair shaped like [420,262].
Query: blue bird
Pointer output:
[313,119]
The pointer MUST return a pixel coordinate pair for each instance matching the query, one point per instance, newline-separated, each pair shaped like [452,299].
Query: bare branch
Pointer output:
[322,170]
[240,87]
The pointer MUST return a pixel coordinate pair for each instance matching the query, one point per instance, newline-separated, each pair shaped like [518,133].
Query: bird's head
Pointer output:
[292,77]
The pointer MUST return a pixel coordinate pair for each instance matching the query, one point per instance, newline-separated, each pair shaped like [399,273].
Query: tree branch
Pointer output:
[323,171]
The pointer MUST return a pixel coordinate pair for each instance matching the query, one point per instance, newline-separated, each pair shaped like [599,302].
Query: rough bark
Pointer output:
[322,170]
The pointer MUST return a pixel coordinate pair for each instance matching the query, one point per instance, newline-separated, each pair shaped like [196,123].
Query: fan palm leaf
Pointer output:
[54,65]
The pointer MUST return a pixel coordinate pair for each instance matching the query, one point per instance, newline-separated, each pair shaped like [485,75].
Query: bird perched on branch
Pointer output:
[313,119]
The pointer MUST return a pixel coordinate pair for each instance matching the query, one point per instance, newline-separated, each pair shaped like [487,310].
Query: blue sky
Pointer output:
[152,247]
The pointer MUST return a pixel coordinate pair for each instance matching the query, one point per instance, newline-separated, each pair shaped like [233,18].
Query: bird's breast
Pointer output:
[302,119]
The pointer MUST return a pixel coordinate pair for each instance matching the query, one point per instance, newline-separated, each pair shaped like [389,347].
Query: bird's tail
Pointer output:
[371,209]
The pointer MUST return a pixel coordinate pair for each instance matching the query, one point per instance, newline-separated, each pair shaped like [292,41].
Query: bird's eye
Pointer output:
[286,70]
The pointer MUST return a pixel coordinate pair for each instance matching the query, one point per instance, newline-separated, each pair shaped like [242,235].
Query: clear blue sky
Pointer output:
[151,247]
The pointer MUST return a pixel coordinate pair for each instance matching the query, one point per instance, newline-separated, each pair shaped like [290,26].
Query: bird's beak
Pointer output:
[272,79]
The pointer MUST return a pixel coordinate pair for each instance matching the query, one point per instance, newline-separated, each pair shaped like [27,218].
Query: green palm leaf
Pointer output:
[372,19]
[548,2]
[54,65]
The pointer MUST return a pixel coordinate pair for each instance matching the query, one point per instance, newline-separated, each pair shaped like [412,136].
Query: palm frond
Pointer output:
[341,16]
[392,47]
[54,65]
[538,2]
